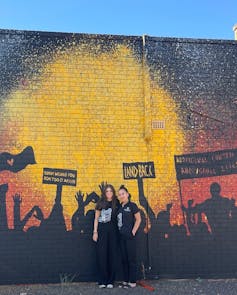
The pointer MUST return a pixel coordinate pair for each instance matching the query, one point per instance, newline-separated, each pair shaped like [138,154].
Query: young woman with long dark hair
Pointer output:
[105,235]
[129,220]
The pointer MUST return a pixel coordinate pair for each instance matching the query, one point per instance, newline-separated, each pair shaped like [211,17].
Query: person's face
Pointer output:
[109,194]
[123,196]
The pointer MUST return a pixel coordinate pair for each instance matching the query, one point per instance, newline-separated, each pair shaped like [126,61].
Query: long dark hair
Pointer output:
[101,204]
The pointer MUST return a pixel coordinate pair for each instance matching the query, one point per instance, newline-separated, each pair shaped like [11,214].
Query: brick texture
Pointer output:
[87,103]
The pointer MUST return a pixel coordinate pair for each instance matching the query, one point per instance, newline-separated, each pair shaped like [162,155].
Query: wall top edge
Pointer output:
[117,37]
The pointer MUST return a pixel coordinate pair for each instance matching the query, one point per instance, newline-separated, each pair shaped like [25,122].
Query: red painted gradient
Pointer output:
[199,189]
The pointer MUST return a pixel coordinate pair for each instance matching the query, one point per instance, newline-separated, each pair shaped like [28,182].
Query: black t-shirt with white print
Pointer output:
[126,219]
[108,214]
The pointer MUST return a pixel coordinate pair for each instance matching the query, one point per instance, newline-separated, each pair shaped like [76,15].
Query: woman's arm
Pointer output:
[95,230]
[137,223]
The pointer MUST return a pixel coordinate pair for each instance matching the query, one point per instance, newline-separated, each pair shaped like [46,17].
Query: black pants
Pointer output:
[107,253]
[129,263]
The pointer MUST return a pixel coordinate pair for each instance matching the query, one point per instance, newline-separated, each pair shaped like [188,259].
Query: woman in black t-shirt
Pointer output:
[129,219]
[105,235]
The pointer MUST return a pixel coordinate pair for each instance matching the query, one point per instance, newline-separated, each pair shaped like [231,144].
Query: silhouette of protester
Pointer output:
[196,226]
[217,210]
[190,215]
[55,222]
[177,233]
[81,206]
[3,210]
[189,211]
[163,221]
[81,222]
[47,223]
[144,203]
[160,224]
[39,214]
[233,215]
[19,223]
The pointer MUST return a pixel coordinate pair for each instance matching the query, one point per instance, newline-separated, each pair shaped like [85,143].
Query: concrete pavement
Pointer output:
[162,287]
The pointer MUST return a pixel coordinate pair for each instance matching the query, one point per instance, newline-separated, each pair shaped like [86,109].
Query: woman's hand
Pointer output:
[95,228]
[95,236]
[137,223]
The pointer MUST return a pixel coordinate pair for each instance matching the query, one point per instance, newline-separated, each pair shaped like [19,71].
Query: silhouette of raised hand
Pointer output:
[92,197]
[79,197]
[102,186]
[17,198]
[81,207]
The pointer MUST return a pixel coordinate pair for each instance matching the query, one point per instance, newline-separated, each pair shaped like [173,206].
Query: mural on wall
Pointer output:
[201,78]
[75,103]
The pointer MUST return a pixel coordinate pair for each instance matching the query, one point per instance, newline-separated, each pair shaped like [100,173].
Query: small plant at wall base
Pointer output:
[66,278]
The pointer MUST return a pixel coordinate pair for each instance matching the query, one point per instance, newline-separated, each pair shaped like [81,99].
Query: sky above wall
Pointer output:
[212,19]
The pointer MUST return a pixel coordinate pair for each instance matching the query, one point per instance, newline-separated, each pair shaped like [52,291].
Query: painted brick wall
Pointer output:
[196,81]
[87,103]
